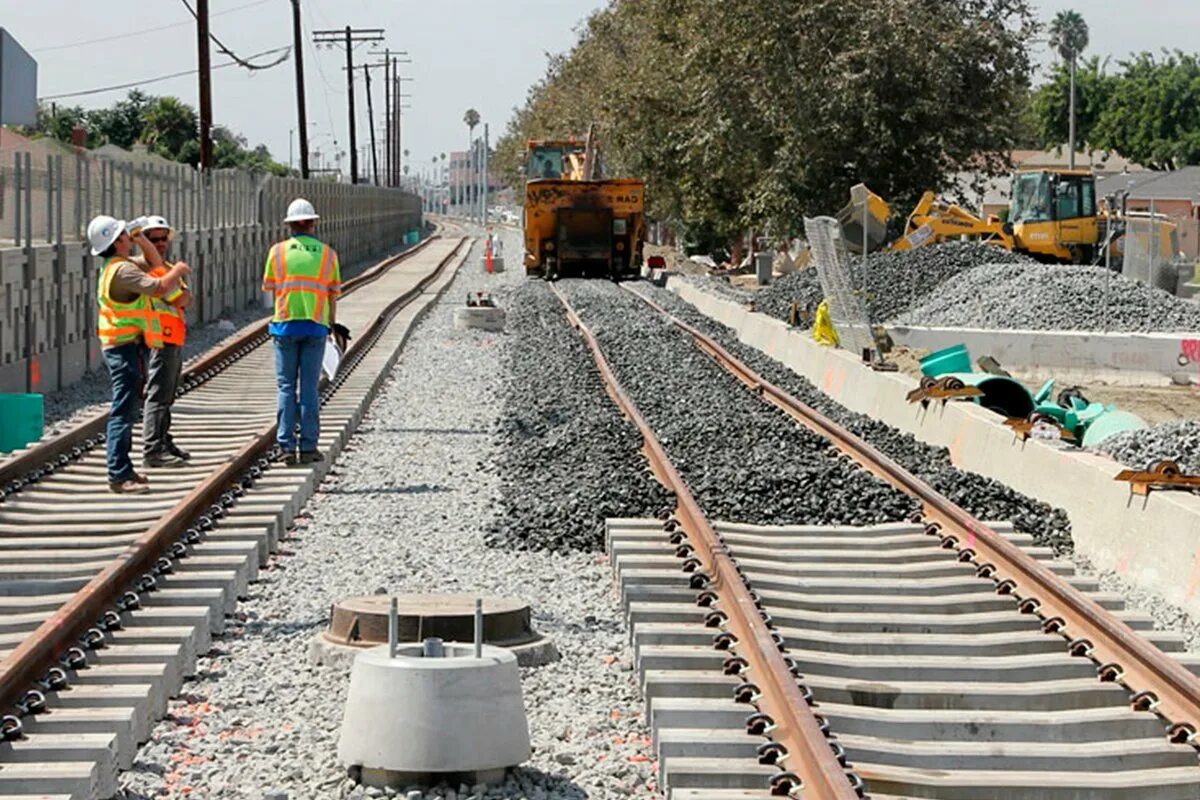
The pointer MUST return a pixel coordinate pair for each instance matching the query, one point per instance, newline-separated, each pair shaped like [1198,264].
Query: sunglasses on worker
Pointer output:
[158,239]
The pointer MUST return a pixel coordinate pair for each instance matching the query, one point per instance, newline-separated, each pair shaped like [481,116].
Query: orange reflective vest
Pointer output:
[304,275]
[170,316]
[123,323]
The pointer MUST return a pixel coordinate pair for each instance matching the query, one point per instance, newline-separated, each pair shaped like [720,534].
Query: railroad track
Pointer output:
[107,600]
[943,658]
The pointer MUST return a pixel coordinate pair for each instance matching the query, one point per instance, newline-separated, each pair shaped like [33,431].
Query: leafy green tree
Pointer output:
[123,122]
[1069,36]
[1094,88]
[1153,114]
[169,126]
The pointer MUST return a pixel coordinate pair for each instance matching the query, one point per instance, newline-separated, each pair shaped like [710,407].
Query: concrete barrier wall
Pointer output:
[48,289]
[1151,542]
[1119,358]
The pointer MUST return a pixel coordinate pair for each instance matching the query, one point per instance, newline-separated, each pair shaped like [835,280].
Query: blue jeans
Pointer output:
[125,374]
[298,374]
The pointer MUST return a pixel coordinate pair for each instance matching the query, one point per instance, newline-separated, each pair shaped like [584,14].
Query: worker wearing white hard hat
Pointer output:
[127,324]
[165,363]
[304,278]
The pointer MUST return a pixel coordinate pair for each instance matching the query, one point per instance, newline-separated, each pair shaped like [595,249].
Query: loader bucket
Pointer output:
[864,206]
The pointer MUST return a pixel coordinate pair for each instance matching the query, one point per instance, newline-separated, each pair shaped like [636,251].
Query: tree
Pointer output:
[122,124]
[1153,113]
[1069,36]
[169,125]
[1051,103]
[747,116]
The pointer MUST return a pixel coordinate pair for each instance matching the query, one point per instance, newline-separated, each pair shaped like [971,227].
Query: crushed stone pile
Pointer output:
[1178,441]
[1053,297]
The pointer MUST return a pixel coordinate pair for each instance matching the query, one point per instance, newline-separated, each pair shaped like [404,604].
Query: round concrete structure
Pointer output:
[361,622]
[420,719]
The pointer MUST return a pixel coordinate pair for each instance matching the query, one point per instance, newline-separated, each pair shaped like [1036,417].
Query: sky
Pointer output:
[465,53]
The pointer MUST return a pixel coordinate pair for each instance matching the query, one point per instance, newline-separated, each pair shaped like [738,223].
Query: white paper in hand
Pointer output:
[331,359]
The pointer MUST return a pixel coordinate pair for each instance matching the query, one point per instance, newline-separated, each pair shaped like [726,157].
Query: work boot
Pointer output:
[288,457]
[129,486]
[178,451]
[311,456]
[163,458]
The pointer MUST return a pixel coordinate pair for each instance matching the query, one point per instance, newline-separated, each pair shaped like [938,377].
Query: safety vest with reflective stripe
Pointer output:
[304,275]
[123,323]
[170,316]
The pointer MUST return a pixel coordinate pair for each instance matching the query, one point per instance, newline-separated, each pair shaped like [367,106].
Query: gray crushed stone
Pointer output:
[894,283]
[743,460]
[406,509]
[983,497]
[1177,441]
[568,459]
[1052,297]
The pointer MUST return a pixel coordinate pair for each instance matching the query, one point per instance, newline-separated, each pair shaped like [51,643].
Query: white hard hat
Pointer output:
[156,222]
[300,210]
[103,231]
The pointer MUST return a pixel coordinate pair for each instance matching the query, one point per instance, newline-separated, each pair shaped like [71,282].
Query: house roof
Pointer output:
[1180,184]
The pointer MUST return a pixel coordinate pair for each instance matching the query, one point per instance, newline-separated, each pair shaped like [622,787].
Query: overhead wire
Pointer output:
[286,50]
[125,35]
[221,46]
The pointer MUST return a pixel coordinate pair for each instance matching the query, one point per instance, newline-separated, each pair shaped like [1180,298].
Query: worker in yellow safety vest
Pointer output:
[166,362]
[127,323]
[304,278]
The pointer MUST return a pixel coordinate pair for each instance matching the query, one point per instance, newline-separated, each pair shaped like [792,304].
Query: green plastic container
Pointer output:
[1110,423]
[21,420]
[412,237]
[952,359]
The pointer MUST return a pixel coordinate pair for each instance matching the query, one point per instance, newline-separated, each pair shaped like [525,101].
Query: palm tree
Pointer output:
[1069,36]
[471,118]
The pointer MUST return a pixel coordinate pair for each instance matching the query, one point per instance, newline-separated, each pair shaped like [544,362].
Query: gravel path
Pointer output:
[406,509]
[743,460]
[987,499]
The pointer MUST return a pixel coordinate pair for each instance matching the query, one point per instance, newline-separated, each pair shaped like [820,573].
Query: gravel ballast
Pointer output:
[743,460]
[567,458]
[985,498]
[406,508]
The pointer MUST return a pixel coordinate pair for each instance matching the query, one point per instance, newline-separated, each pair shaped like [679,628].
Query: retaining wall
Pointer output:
[1152,542]
[224,228]
[1132,359]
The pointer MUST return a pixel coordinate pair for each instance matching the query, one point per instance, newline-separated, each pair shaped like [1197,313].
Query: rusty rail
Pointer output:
[793,724]
[39,651]
[70,443]
[1157,681]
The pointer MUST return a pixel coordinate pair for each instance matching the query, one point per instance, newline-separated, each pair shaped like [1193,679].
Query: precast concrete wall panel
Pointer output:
[223,229]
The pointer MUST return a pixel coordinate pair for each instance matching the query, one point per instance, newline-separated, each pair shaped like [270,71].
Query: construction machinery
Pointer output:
[578,222]
[1053,217]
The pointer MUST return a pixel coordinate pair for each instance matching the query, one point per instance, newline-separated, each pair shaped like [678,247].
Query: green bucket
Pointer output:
[952,359]
[21,420]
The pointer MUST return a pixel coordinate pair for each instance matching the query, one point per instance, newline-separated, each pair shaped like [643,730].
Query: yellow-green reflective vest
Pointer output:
[122,323]
[304,275]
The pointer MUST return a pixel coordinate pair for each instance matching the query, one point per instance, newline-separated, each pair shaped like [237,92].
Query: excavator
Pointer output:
[578,222]
[1053,217]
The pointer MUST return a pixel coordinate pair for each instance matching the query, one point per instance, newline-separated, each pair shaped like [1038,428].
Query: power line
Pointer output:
[125,36]
[284,50]
[241,62]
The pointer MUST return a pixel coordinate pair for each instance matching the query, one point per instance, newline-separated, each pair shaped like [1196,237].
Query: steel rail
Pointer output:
[793,724]
[1157,681]
[30,660]
[58,450]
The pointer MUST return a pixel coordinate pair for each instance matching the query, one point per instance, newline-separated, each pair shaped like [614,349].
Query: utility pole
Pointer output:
[302,112]
[205,85]
[487,183]
[352,36]
[371,123]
